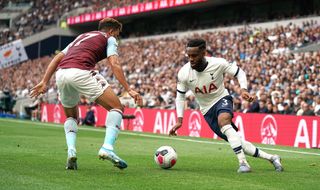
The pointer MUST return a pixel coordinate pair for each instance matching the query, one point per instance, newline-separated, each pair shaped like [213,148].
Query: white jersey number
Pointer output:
[84,37]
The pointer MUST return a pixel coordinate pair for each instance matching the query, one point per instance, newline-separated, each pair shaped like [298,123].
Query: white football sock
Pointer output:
[234,141]
[71,129]
[113,123]
[252,150]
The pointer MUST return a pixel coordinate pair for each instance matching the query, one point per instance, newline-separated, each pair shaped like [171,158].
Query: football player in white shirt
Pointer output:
[204,77]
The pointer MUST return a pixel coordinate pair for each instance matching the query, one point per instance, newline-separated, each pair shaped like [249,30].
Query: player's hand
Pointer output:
[246,95]
[38,89]
[136,96]
[173,131]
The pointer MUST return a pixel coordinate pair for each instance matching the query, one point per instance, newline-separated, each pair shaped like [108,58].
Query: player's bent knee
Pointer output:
[224,119]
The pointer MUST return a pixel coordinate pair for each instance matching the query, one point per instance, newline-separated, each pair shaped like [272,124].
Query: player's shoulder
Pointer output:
[184,71]
[112,41]
[216,60]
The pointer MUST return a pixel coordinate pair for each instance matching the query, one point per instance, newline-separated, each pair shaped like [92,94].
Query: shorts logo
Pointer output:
[194,124]
[138,121]
[56,114]
[269,130]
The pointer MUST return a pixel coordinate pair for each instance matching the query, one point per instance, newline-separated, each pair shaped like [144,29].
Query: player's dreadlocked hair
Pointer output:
[198,42]
[109,23]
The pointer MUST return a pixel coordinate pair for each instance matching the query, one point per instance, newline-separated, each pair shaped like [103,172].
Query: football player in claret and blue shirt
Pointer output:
[204,77]
[75,75]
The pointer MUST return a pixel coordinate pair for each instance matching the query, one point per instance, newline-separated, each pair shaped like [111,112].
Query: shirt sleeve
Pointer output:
[229,68]
[181,86]
[112,47]
[181,91]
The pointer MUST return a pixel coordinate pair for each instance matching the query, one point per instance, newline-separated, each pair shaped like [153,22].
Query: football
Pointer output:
[165,157]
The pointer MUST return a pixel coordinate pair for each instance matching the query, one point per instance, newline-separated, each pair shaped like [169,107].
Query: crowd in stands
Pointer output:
[283,81]
[46,13]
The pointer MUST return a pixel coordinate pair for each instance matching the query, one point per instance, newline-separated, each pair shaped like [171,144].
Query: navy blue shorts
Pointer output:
[224,105]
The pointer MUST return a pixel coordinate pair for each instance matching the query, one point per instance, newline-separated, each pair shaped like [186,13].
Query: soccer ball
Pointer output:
[166,157]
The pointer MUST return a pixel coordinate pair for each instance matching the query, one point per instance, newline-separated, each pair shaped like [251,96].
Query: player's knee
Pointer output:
[224,119]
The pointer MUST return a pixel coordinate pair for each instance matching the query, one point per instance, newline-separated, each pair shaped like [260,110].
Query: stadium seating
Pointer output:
[45,14]
[262,53]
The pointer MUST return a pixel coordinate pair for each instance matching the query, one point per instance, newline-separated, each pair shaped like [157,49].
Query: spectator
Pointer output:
[263,107]
[307,109]
[89,119]
[287,109]
[32,110]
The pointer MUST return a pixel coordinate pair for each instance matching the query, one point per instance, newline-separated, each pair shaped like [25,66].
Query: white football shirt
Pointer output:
[207,86]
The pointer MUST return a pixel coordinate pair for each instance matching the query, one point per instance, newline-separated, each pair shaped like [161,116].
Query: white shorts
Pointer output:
[74,82]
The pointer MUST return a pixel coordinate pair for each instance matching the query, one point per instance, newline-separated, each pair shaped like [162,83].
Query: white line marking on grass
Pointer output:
[158,137]
[220,143]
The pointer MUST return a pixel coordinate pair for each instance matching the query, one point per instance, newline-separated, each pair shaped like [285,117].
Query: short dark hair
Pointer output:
[109,23]
[198,42]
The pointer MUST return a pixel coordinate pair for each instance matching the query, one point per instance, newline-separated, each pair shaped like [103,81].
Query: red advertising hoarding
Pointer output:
[129,10]
[296,131]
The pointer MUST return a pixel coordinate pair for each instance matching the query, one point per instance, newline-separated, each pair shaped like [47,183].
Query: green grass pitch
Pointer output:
[33,156]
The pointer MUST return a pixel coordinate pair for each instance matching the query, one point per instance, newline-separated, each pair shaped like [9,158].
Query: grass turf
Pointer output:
[33,156]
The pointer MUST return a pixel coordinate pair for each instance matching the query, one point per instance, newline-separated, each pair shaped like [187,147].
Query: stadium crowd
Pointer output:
[43,14]
[285,82]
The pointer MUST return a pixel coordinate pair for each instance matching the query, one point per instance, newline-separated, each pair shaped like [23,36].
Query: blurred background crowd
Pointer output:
[284,80]
[43,14]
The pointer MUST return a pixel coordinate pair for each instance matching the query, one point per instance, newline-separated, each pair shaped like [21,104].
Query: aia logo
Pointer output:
[56,114]
[206,89]
[269,130]
[138,121]
[194,124]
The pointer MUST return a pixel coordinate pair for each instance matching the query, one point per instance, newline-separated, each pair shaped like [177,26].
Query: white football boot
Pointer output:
[244,168]
[105,154]
[276,161]
[72,160]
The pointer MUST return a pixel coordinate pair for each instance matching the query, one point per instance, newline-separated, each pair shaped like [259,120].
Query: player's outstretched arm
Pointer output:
[180,99]
[41,87]
[118,73]
[242,78]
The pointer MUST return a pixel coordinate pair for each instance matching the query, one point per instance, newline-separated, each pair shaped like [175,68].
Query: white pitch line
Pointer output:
[160,137]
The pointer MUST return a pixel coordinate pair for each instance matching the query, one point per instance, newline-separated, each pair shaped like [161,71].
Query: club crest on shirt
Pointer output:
[211,74]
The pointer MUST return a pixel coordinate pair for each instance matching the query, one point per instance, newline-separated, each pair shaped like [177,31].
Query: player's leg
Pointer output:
[69,97]
[71,129]
[111,102]
[224,122]
[97,89]
[252,150]
[219,118]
